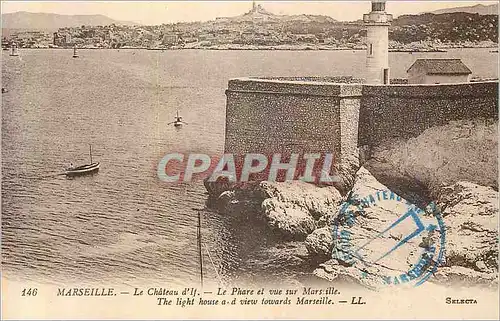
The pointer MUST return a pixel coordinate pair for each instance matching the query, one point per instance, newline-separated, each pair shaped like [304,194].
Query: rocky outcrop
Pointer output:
[215,189]
[302,211]
[366,222]
[291,209]
[289,220]
[470,216]
[346,171]
[319,243]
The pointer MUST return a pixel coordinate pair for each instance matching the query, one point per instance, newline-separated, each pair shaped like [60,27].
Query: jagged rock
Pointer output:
[462,276]
[319,243]
[346,171]
[214,189]
[327,271]
[229,203]
[359,257]
[333,271]
[226,197]
[463,150]
[377,217]
[481,266]
[317,201]
[288,219]
[470,213]
[295,208]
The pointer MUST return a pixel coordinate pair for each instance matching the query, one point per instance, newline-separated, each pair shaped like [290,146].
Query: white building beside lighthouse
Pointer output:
[377,52]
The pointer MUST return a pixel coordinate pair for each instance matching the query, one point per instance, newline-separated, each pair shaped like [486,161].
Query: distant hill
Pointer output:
[259,14]
[479,8]
[51,21]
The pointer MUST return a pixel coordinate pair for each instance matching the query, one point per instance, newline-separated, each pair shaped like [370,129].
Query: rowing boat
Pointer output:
[82,170]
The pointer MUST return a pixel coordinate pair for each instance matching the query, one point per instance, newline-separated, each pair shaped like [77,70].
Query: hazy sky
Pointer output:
[157,12]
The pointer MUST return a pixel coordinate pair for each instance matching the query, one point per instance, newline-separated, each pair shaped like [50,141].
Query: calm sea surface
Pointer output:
[123,223]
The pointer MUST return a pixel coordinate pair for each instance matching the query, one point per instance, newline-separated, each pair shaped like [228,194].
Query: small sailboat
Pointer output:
[13,50]
[75,54]
[178,121]
[83,169]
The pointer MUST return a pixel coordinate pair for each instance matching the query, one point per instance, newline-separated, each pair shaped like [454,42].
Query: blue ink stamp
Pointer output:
[388,240]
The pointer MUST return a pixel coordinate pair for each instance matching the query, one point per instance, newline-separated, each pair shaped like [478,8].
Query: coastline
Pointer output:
[278,48]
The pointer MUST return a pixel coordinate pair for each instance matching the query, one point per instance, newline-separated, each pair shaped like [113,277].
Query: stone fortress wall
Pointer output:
[404,111]
[341,114]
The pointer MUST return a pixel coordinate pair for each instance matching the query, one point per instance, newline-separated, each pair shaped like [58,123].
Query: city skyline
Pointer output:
[158,12]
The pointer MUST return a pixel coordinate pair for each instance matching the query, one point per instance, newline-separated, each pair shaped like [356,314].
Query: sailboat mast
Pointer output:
[90,153]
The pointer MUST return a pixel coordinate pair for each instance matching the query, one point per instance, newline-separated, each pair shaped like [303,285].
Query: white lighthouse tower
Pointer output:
[377,52]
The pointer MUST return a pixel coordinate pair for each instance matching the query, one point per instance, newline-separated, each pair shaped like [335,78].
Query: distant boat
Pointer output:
[178,121]
[83,169]
[13,51]
[75,54]
[5,48]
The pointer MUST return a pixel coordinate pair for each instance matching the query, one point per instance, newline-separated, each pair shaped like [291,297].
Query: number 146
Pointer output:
[29,292]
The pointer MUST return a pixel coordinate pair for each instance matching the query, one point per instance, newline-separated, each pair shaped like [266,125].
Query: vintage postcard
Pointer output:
[314,160]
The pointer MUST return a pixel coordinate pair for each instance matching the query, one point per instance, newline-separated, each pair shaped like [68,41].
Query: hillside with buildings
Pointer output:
[259,28]
[447,27]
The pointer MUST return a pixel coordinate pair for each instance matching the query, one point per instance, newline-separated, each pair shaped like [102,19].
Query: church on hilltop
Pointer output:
[256,13]
[257,9]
